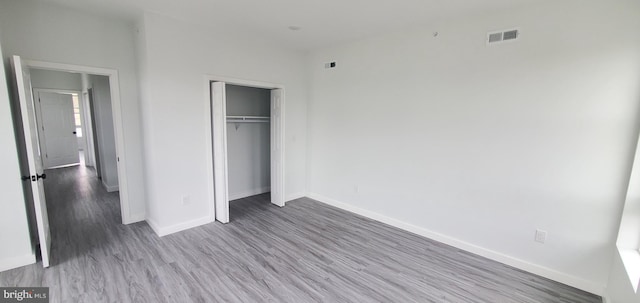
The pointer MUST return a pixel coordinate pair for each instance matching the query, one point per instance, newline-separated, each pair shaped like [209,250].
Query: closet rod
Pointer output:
[248,119]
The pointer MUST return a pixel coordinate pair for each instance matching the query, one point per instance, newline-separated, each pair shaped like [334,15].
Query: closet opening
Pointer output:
[248,141]
[246,144]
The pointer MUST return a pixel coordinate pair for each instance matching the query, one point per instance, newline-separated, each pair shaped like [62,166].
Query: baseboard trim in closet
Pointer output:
[249,193]
[536,269]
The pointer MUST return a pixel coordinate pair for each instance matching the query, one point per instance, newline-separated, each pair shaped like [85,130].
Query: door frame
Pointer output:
[114,86]
[41,135]
[87,128]
[93,132]
[208,100]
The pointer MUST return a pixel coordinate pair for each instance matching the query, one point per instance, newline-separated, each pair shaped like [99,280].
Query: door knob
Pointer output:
[74,133]
[43,176]
[26,178]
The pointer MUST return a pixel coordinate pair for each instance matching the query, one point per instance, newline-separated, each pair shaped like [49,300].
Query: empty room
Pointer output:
[327,151]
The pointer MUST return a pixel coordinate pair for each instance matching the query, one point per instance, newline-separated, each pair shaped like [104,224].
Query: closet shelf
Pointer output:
[247,119]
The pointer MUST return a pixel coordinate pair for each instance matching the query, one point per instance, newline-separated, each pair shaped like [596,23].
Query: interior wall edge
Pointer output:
[110,188]
[135,218]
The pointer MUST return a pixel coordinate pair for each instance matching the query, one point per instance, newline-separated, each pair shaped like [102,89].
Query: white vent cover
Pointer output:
[502,36]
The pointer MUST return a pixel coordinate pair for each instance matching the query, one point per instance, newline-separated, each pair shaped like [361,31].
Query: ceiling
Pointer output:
[323,23]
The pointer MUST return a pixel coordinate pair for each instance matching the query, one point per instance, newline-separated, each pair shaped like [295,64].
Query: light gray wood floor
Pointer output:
[304,252]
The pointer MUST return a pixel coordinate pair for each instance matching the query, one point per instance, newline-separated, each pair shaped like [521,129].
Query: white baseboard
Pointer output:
[19,261]
[249,193]
[110,188]
[162,231]
[153,226]
[295,196]
[135,218]
[548,273]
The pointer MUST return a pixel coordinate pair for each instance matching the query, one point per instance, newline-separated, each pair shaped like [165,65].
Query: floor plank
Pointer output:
[304,252]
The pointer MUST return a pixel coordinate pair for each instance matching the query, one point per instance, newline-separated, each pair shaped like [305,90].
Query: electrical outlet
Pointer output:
[541,236]
[186,200]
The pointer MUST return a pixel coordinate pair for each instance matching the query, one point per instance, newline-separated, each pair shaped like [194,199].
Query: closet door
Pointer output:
[277,147]
[219,132]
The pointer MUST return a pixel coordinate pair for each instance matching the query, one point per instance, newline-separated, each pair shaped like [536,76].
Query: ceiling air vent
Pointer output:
[502,36]
[497,37]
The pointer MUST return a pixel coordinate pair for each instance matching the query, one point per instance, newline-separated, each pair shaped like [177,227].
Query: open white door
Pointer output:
[23,82]
[277,148]
[57,129]
[219,132]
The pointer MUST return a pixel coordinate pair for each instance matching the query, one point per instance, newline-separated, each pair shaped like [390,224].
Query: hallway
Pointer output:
[305,252]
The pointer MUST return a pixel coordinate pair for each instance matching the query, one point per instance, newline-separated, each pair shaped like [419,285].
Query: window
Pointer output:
[76,115]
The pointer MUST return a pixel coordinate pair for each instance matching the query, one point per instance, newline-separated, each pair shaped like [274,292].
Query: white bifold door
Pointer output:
[277,133]
[219,132]
[57,129]
[35,172]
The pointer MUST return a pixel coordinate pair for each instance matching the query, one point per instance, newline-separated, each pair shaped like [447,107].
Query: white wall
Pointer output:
[105,131]
[16,246]
[619,288]
[480,146]
[55,80]
[175,56]
[40,31]
[625,266]
[248,145]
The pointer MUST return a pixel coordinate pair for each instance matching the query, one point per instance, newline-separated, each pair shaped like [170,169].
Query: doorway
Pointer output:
[59,126]
[37,144]
[218,160]
[74,131]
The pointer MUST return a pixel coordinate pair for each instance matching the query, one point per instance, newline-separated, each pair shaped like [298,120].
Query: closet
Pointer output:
[247,143]
[248,128]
